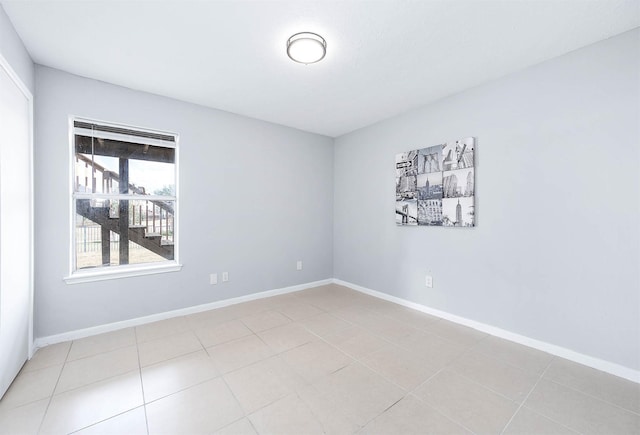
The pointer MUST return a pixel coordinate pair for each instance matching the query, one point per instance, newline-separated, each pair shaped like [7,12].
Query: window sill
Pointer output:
[120,272]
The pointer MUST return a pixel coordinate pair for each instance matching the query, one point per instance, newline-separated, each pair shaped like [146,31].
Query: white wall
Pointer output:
[254,198]
[15,203]
[555,255]
[13,50]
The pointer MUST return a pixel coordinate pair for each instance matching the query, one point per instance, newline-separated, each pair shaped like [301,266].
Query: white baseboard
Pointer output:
[100,329]
[596,363]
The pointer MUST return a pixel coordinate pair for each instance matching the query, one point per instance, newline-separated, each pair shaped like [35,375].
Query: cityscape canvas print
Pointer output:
[435,186]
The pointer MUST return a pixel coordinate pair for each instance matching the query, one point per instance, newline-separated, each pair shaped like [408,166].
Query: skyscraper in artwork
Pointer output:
[450,183]
[469,189]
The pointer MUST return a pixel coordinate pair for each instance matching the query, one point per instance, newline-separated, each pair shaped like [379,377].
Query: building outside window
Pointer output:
[124,199]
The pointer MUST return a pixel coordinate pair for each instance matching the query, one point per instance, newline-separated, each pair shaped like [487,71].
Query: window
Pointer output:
[124,199]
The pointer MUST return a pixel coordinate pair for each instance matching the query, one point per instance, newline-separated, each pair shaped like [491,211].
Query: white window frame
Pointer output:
[119,271]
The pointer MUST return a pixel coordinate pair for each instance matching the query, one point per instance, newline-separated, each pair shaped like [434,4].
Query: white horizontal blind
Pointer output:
[112,132]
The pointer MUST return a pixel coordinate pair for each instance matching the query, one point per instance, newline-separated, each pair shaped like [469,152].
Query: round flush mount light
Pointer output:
[306,47]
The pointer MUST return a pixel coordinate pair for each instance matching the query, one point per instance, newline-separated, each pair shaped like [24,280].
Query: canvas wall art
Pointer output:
[435,186]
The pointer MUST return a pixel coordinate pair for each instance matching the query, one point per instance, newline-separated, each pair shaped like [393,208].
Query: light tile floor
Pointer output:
[324,360]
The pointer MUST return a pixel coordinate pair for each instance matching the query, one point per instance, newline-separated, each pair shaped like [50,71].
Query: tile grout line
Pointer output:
[54,388]
[365,424]
[434,408]
[170,359]
[415,328]
[359,360]
[219,375]
[85,385]
[163,336]
[278,309]
[313,413]
[141,386]
[88,384]
[294,391]
[600,399]
[451,419]
[222,375]
[570,429]
[497,393]
[486,387]
[310,384]
[118,347]
[201,345]
[144,400]
[470,349]
[591,396]
[510,364]
[98,380]
[106,419]
[244,414]
[236,421]
[527,396]
[354,359]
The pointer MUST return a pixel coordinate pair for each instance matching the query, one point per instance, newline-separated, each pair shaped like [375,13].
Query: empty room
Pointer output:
[320,217]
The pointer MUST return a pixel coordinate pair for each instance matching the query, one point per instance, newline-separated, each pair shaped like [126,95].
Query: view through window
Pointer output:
[124,193]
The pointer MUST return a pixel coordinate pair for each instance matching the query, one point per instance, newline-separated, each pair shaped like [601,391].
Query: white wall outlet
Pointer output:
[428,281]
[299,265]
[225,276]
[213,279]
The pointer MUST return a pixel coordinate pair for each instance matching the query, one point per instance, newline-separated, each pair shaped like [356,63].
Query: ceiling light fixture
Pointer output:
[306,47]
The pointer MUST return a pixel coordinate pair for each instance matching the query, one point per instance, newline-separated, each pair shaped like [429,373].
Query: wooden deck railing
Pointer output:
[157,216]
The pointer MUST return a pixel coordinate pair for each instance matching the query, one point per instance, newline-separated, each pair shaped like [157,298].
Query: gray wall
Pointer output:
[555,255]
[13,50]
[254,198]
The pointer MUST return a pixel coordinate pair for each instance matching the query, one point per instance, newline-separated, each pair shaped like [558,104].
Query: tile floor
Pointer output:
[324,360]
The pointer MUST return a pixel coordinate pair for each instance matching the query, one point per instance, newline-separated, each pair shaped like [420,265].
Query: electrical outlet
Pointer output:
[213,279]
[225,276]
[299,265]
[428,281]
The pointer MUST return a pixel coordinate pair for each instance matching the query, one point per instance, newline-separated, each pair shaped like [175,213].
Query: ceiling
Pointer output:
[383,57]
